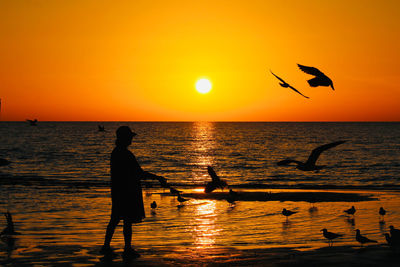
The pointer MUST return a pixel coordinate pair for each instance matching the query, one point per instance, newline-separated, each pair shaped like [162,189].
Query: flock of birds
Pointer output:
[320,79]
[393,238]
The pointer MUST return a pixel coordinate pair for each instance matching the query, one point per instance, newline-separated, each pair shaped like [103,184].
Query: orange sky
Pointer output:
[139,60]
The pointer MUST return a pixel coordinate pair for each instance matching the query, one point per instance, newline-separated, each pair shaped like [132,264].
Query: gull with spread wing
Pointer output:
[309,165]
[320,78]
[286,85]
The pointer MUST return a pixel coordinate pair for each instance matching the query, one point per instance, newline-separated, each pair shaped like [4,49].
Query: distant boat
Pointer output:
[101,128]
[32,122]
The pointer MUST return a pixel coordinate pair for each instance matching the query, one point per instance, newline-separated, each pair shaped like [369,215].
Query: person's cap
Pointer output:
[124,132]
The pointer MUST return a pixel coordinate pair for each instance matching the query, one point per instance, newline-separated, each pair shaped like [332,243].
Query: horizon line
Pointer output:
[184,121]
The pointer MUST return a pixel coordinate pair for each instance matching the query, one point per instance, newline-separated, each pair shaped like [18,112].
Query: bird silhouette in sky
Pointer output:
[286,85]
[215,181]
[330,236]
[309,165]
[320,78]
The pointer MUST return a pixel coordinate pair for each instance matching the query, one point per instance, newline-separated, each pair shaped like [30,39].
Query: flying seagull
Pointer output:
[215,181]
[286,85]
[330,236]
[320,78]
[309,165]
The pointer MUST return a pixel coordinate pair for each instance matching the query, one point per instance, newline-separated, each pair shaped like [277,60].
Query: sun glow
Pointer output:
[203,86]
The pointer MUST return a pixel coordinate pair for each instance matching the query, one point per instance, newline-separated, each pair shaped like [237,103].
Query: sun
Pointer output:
[203,86]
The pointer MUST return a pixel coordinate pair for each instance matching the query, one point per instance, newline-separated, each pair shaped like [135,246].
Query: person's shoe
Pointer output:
[130,254]
[106,250]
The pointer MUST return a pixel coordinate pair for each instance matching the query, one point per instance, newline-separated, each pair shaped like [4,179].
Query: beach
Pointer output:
[57,190]
[206,230]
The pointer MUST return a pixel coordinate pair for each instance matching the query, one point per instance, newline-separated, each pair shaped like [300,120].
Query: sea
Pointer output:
[57,185]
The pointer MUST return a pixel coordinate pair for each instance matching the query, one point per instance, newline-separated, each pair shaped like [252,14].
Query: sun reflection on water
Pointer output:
[202,146]
[205,230]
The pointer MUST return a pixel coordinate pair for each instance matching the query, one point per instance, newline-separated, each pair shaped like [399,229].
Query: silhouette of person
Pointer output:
[126,191]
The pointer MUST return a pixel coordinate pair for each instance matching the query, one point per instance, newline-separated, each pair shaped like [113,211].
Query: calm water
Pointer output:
[57,188]
[244,153]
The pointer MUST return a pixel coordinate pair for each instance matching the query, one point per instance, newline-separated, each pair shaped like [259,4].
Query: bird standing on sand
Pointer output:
[215,182]
[363,239]
[388,239]
[309,165]
[395,233]
[232,196]
[153,205]
[9,230]
[181,199]
[351,211]
[382,213]
[288,213]
[286,85]
[320,78]
[330,236]
[4,162]
[174,191]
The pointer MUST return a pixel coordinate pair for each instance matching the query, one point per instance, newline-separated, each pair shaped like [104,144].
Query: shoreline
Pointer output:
[39,181]
[348,255]
[286,196]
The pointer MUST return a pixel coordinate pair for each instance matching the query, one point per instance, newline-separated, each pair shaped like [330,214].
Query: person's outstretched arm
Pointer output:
[161,179]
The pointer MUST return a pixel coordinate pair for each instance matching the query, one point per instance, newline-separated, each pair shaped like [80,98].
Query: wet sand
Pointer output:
[207,231]
[374,255]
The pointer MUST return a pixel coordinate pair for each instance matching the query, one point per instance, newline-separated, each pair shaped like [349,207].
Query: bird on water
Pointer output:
[288,213]
[330,236]
[350,211]
[382,213]
[363,239]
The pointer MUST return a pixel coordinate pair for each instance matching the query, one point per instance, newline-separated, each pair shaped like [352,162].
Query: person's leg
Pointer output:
[129,252]
[127,234]
[110,230]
